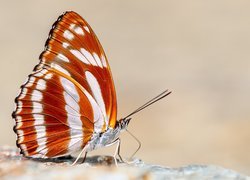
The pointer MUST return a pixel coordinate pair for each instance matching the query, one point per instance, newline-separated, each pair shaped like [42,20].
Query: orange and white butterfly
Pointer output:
[69,102]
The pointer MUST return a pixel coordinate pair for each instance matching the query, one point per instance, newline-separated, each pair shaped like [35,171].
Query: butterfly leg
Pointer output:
[139,144]
[84,158]
[117,151]
[80,154]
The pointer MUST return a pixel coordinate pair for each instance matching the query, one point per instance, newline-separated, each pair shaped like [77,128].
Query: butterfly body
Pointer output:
[99,140]
[108,137]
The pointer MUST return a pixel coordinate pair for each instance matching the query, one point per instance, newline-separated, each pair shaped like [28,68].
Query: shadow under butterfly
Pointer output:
[68,102]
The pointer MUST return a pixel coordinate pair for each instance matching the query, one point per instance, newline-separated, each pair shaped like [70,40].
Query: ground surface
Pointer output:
[14,166]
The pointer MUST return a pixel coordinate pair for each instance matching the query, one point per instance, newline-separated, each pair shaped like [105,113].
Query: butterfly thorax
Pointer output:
[109,136]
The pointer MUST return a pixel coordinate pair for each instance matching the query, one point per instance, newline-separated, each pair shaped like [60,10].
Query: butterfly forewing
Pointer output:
[69,96]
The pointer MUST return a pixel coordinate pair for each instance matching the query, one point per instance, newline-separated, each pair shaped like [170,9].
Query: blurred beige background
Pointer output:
[198,49]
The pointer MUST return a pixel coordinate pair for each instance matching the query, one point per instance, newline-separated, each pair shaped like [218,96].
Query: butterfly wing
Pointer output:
[69,96]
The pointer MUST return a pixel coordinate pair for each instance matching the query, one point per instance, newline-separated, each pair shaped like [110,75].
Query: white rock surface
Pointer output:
[14,166]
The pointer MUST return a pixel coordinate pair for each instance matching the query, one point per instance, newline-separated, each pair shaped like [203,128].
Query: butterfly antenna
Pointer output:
[137,140]
[152,101]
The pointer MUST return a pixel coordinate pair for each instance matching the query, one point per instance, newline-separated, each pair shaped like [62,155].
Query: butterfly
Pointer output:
[68,102]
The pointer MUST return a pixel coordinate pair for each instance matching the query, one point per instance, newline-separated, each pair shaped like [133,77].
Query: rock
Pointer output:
[14,166]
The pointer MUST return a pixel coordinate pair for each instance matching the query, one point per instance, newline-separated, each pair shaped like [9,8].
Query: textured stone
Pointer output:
[14,166]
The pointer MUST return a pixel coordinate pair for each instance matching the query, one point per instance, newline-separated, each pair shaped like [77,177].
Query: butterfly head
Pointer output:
[123,123]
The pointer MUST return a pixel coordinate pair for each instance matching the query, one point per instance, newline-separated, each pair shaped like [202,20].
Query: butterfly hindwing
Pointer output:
[69,96]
